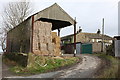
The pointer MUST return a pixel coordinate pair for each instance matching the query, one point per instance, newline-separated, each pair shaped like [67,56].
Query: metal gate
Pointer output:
[78,48]
[86,48]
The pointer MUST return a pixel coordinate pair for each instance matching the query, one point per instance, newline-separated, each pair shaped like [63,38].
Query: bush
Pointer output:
[110,50]
[110,69]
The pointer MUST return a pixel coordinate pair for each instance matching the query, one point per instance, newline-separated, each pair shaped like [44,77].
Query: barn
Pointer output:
[35,35]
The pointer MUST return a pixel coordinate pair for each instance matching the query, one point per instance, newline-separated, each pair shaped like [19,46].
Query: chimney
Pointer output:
[98,32]
[80,30]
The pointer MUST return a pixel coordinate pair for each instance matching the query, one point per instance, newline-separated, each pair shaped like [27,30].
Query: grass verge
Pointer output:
[43,64]
[110,68]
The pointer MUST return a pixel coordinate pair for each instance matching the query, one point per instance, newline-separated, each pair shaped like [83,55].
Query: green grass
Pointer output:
[111,69]
[50,62]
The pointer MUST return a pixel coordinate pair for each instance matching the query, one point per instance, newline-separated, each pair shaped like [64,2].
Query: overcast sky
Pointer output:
[88,13]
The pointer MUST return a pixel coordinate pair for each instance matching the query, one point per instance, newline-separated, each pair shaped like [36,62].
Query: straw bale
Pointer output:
[43,46]
[44,52]
[50,46]
[48,39]
[37,52]
[54,34]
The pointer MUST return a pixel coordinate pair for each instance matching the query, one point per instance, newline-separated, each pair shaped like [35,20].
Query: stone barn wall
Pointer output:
[18,39]
[82,38]
[97,47]
[44,41]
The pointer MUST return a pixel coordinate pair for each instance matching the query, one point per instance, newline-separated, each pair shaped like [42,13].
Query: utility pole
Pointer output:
[103,35]
[75,37]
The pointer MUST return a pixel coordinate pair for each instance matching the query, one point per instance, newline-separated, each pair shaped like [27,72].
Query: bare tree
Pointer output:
[3,39]
[14,13]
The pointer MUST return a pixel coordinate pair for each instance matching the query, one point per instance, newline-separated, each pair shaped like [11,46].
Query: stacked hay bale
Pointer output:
[41,37]
[56,41]
[45,42]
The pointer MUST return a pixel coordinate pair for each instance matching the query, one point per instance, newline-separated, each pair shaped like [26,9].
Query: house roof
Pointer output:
[56,15]
[97,36]
[91,36]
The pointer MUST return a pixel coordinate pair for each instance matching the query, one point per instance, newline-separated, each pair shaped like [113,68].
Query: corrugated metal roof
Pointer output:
[54,12]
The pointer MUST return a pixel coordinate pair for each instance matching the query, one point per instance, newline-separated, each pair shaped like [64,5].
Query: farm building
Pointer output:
[89,38]
[35,35]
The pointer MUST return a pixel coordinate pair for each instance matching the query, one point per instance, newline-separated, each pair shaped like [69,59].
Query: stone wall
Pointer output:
[96,47]
[82,38]
[18,39]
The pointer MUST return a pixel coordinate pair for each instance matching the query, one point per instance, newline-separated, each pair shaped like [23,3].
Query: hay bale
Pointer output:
[44,52]
[56,40]
[57,52]
[54,35]
[48,39]
[41,32]
[48,31]
[50,48]
[42,46]
[45,41]
[38,52]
